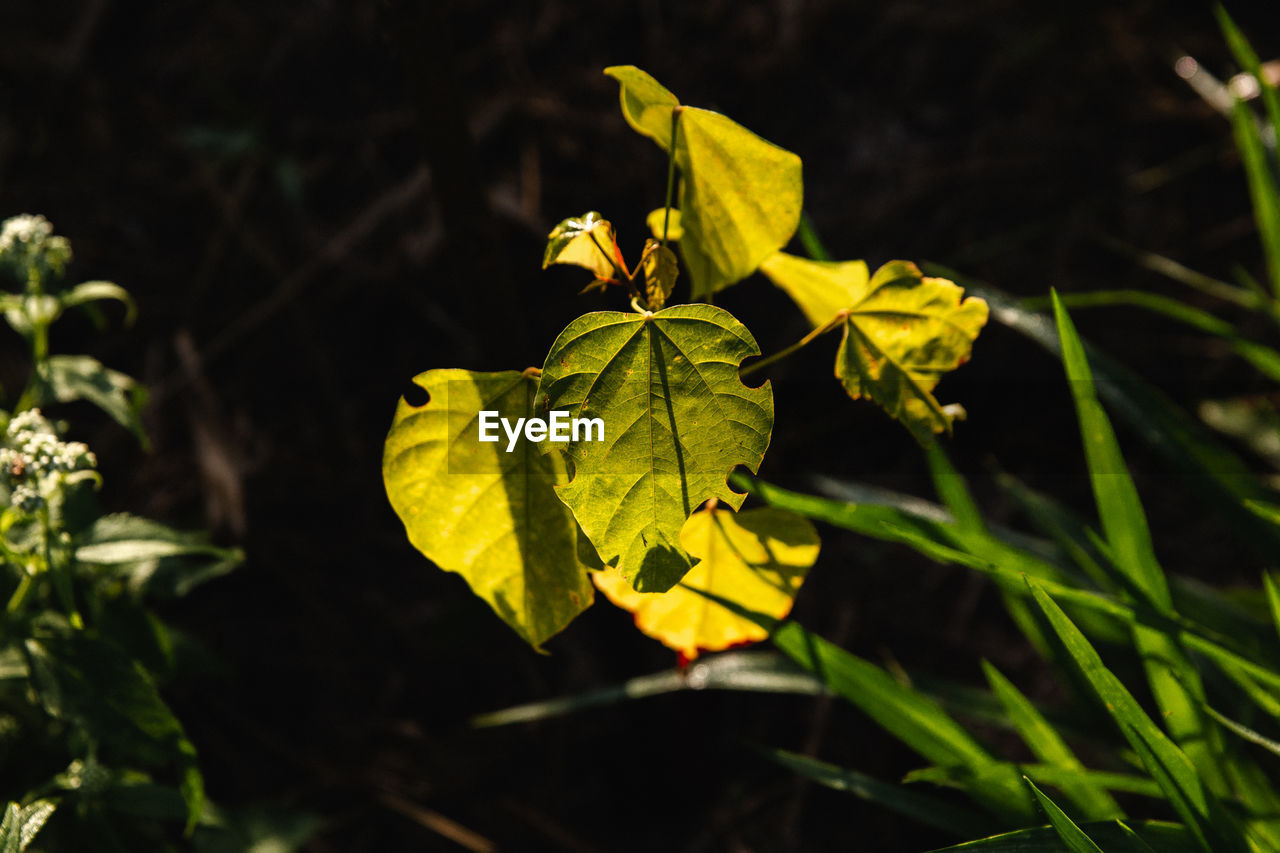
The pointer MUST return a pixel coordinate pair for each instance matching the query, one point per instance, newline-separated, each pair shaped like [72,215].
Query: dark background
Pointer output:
[314,201]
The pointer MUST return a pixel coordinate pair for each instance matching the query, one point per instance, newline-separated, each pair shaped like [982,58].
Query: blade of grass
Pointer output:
[1174,681]
[919,807]
[1262,187]
[763,672]
[1071,835]
[1134,838]
[1273,598]
[909,715]
[1248,59]
[1157,835]
[1265,359]
[1048,746]
[1215,473]
[1047,774]
[1168,765]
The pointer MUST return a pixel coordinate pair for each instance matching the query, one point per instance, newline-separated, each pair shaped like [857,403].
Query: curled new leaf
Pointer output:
[677,419]
[476,509]
[740,195]
[585,241]
[902,331]
[658,263]
[757,558]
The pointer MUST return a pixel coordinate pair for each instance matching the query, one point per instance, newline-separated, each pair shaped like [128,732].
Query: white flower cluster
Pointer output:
[24,228]
[33,459]
[26,236]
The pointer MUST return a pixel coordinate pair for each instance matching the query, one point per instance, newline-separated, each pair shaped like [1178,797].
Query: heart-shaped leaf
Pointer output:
[740,195]
[677,419]
[757,558]
[902,331]
[476,509]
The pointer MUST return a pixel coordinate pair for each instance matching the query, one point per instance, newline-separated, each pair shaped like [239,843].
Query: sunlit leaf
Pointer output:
[1114,838]
[820,288]
[475,509]
[1174,681]
[677,419]
[65,378]
[659,266]
[586,241]
[740,195]
[95,291]
[1166,763]
[758,558]
[21,823]
[903,332]
[660,218]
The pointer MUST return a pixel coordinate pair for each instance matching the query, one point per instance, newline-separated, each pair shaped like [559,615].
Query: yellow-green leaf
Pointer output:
[658,263]
[821,288]
[490,515]
[677,419]
[586,241]
[660,218]
[757,558]
[902,333]
[740,195]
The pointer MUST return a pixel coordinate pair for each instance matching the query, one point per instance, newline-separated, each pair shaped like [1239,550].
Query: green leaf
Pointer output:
[1071,835]
[95,686]
[677,419]
[740,196]
[820,288]
[902,334]
[918,807]
[1168,765]
[21,823]
[1048,746]
[64,378]
[154,560]
[490,515]
[95,291]
[906,713]
[1263,187]
[585,241]
[1264,358]
[746,671]
[1273,599]
[1174,681]
[1224,480]
[1157,835]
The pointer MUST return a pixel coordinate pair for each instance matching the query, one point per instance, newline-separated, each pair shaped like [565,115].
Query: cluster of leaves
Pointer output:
[647,513]
[1094,600]
[87,743]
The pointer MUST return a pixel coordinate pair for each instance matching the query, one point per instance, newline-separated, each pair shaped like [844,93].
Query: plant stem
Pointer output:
[62,578]
[622,273]
[671,172]
[19,597]
[834,323]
